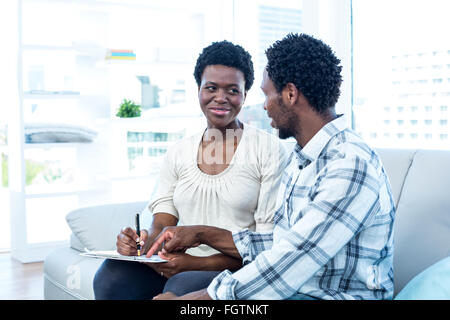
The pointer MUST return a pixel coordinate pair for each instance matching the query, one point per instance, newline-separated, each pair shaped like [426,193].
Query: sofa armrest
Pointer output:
[97,227]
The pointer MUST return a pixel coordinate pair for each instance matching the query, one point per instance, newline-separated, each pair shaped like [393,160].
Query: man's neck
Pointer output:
[311,123]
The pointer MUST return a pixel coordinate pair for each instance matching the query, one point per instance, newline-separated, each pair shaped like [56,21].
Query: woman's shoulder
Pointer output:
[262,138]
[263,148]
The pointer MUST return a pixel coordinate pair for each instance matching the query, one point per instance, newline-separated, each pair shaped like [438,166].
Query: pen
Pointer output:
[138,231]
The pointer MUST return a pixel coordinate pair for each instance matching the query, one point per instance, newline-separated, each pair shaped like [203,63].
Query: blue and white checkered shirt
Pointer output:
[333,231]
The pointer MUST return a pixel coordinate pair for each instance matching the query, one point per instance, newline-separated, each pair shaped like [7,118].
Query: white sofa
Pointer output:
[420,181]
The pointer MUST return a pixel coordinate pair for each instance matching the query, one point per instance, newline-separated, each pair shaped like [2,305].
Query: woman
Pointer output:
[225,176]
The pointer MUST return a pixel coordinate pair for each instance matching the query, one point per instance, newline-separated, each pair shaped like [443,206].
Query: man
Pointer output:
[333,230]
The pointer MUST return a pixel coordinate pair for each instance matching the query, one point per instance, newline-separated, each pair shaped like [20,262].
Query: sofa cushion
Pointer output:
[67,275]
[422,224]
[431,284]
[97,227]
[76,244]
[396,163]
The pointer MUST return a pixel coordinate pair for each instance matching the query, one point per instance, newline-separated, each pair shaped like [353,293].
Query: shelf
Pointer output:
[49,191]
[28,95]
[55,145]
[46,47]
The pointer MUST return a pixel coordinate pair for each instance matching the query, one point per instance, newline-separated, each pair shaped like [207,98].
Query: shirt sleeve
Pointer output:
[272,162]
[249,244]
[163,202]
[344,200]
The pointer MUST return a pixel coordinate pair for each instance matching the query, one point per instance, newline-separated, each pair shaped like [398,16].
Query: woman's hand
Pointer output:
[177,262]
[126,241]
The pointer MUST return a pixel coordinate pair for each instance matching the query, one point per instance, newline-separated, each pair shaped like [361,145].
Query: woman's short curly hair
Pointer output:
[310,65]
[227,54]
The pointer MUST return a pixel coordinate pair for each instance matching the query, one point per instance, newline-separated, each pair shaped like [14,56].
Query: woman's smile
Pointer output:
[219,111]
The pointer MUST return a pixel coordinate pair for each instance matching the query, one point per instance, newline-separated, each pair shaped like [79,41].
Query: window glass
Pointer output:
[258,24]
[9,100]
[401,58]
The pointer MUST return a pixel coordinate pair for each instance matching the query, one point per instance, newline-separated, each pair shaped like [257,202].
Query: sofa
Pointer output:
[420,181]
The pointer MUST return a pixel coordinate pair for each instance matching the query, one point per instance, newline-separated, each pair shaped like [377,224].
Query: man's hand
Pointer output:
[196,295]
[126,241]
[166,296]
[176,239]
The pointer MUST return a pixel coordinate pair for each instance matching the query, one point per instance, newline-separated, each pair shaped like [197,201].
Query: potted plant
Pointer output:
[129,109]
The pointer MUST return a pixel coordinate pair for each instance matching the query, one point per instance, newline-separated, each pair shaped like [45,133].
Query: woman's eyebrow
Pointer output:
[216,84]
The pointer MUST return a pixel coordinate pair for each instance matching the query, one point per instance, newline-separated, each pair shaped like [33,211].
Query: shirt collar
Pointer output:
[314,147]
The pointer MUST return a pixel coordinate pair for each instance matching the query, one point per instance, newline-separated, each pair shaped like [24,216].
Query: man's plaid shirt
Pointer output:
[333,231]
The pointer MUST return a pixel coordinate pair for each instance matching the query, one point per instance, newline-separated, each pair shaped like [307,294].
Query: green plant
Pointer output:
[4,170]
[128,109]
[32,170]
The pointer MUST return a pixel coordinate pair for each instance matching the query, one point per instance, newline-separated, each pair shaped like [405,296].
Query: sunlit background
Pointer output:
[66,66]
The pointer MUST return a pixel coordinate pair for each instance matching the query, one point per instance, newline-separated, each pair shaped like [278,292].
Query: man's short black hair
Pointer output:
[310,65]
[227,54]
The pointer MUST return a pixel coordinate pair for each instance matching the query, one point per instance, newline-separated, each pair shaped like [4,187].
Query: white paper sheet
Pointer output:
[115,255]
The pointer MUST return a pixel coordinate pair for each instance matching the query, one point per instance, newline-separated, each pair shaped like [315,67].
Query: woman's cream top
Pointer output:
[242,196]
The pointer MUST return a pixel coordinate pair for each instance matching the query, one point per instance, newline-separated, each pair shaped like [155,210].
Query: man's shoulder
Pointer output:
[347,145]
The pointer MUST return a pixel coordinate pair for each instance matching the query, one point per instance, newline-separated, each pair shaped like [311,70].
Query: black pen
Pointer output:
[138,231]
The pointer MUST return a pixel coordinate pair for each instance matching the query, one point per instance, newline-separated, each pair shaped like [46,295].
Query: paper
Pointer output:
[117,256]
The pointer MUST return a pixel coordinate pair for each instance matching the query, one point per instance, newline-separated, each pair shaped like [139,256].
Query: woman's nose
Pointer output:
[220,96]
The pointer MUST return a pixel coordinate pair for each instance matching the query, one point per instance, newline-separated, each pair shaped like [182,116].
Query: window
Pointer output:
[410,74]
[54,58]
[269,21]
[8,85]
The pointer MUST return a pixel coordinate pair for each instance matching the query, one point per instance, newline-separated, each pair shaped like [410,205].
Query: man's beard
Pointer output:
[289,130]
[284,133]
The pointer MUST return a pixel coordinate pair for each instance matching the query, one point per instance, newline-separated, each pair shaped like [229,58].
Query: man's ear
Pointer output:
[290,93]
